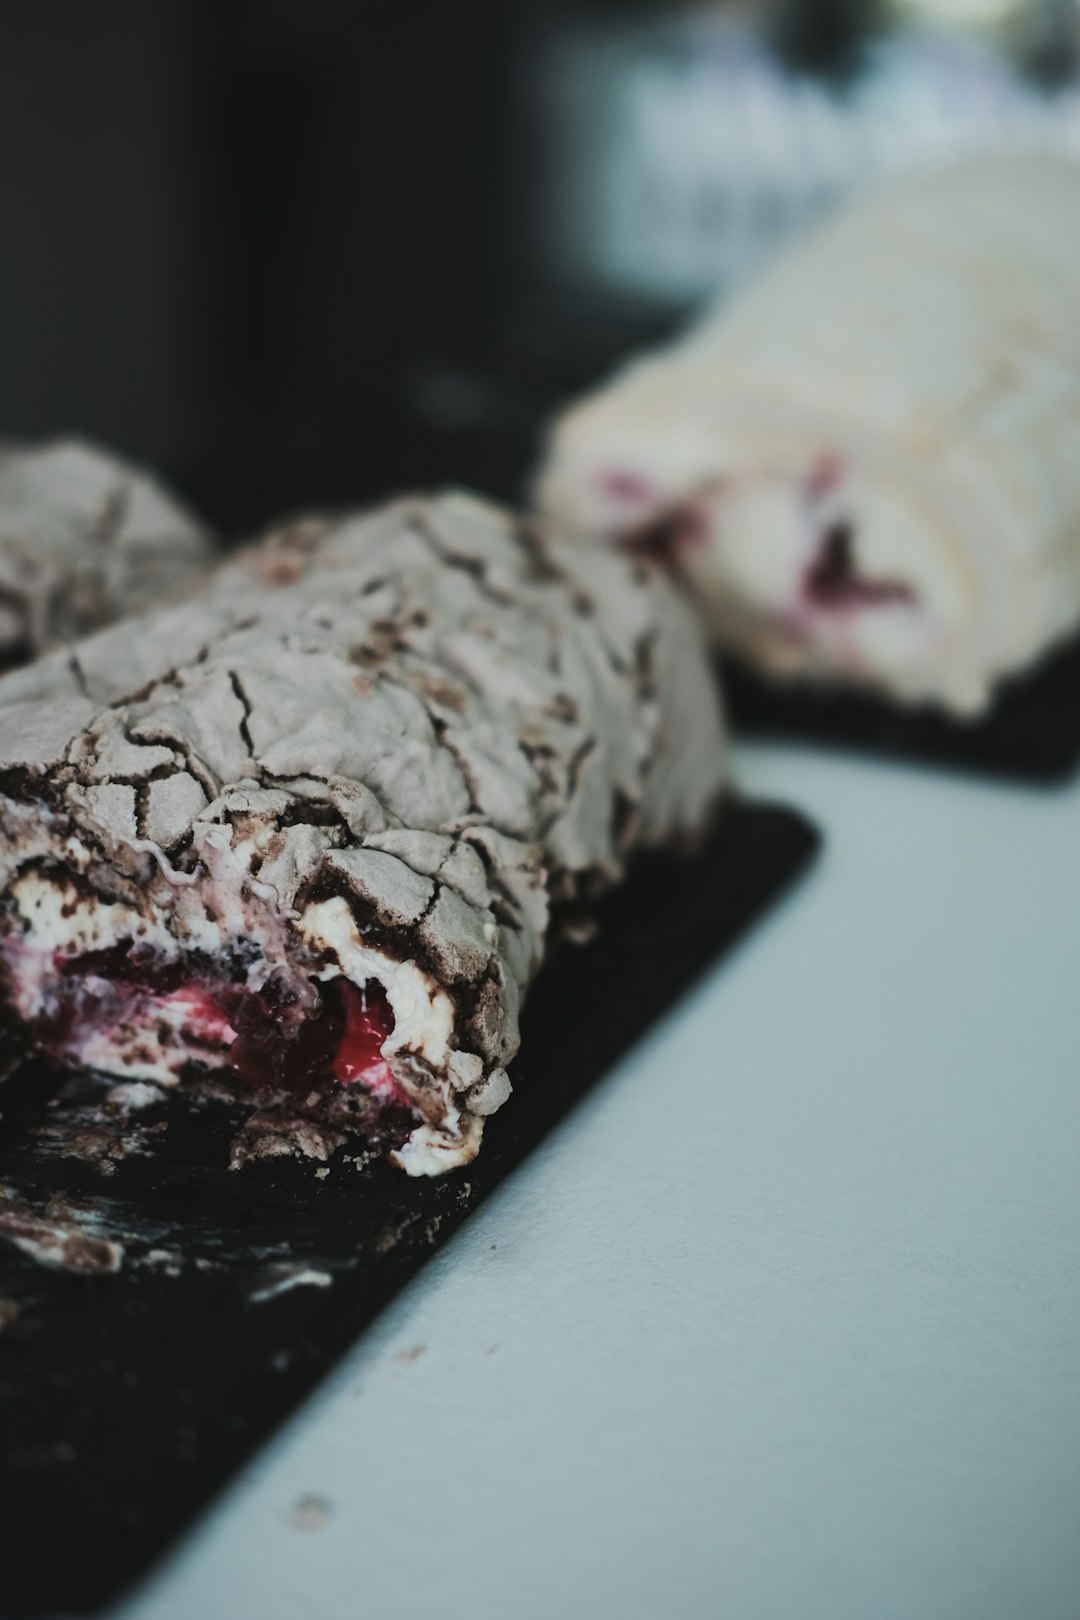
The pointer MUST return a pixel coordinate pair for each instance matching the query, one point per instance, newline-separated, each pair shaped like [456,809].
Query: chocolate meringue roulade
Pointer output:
[308,830]
[85,538]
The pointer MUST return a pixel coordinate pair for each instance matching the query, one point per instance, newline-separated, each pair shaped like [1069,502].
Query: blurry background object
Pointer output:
[686,145]
[239,233]
[301,253]
[680,147]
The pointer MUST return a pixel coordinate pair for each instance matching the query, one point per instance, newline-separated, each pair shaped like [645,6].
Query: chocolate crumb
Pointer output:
[309,1512]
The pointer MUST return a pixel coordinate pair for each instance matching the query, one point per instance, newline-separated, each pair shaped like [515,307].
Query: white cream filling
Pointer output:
[137,1047]
[761,536]
[60,920]
[423,1013]
[431,1151]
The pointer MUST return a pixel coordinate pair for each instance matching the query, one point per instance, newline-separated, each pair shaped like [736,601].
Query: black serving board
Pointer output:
[1032,733]
[130,1396]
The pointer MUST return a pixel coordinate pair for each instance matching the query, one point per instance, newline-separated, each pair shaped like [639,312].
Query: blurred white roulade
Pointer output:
[867,466]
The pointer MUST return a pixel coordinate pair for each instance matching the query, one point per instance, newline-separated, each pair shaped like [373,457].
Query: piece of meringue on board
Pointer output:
[865,468]
[312,831]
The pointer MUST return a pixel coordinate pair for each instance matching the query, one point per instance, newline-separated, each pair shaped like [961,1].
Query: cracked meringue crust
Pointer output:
[306,831]
[85,538]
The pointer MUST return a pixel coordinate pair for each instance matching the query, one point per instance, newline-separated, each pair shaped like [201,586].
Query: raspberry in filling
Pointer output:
[368,1022]
[628,488]
[833,579]
[276,1038]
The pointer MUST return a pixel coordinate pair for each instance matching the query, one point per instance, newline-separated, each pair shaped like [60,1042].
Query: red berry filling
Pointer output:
[368,1021]
[271,1038]
[629,488]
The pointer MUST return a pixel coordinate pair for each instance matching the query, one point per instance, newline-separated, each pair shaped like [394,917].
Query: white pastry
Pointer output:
[867,467]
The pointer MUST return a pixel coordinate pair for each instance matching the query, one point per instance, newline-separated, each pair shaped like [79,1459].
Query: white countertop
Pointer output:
[826,1365]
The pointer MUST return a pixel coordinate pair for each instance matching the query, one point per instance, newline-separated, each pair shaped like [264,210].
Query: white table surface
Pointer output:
[784,1322]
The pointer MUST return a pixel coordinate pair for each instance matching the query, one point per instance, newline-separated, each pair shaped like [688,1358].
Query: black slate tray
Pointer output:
[130,1396]
[1032,733]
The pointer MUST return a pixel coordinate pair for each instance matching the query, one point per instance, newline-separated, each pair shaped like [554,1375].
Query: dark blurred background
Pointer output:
[300,252]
